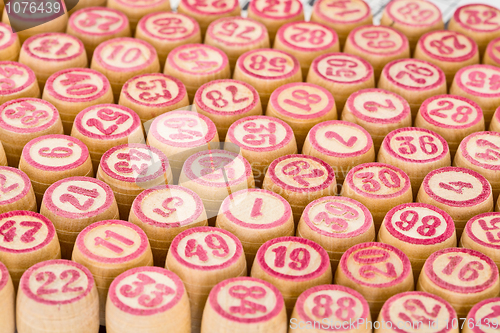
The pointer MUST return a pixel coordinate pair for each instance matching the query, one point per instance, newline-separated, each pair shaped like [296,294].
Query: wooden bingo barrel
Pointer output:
[413,18]
[95,25]
[7,301]
[416,151]
[306,41]
[9,43]
[85,4]
[255,216]
[213,175]
[413,79]
[341,144]
[418,229]
[74,203]
[109,248]
[342,16]
[492,54]
[104,126]
[301,105]
[330,308]
[236,35]
[450,50]
[452,117]
[377,271]
[160,303]
[17,192]
[166,31]
[293,265]
[463,277]
[226,101]
[378,111]
[495,121]
[483,317]
[267,69]
[131,168]
[24,119]
[165,211]
[379,187]
[341,74]
[206,11]
[153,94]
[18,81]
[135,10]
[50,52]
[417,311]
[244,304]
[479,83]
[462,193]
[197,64]
[72,90]
[478,21]
[300,179]
[55,295]
[180,134]
[481,234]
[249,135]
[27,238]
[50,158]
[480,152]
[120,59]
[379,45]
[275,15]
[336,223]
[203,257]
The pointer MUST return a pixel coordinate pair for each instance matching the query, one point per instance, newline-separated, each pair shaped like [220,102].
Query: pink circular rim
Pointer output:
[468,229]
[173,101]
[26,185]
[471,54]
[489,50]
[12,39]
[388,9]
[329,19]
[441,80]
[31,77]
[281,36]
[195,10]
[472,313]
[425,112]
[28,41]
[171,61]
[456,17]
[404,40]
[461,85]
[149,61]
[13,129]
[368,67]
[239,64]
[74,17]
[142,26]
[49,85]
[211,27]
[253,7]
[469,158]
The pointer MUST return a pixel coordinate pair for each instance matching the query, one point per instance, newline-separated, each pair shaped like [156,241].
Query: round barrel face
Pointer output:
[414,75]
[27,115]
[226,97]
[344,12]
[456,187]
[451,112]
[448,46]
[302,101]
[197,60]
[4,277]
[378,181]
[77,85]
[337,217]
[256,209]
[98,22]
[154,90]
[209,8]
[307,37]
[461,271]
[493,51]
[481,149]
[478,18]
[183,129]
[168,26]
[479,81]
[336,307]
[24,232]
[378,41]
[260,134]
[432,313]
[78,197]
[411,13]
[134,163]
[14,183]
[375,265]
[482,230]
[146,291]
[168,206]
[483,317]
[278,10]
[124,55]
[235,32]
[419,224]
[292,259]
[246,300]
[15,78]
[112,242]
[342,68]
[8,37]
[217,168]
[107,122]
[56,282]
[268,64]
[131,5]
[55,153]
[206,249]
[53,47]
